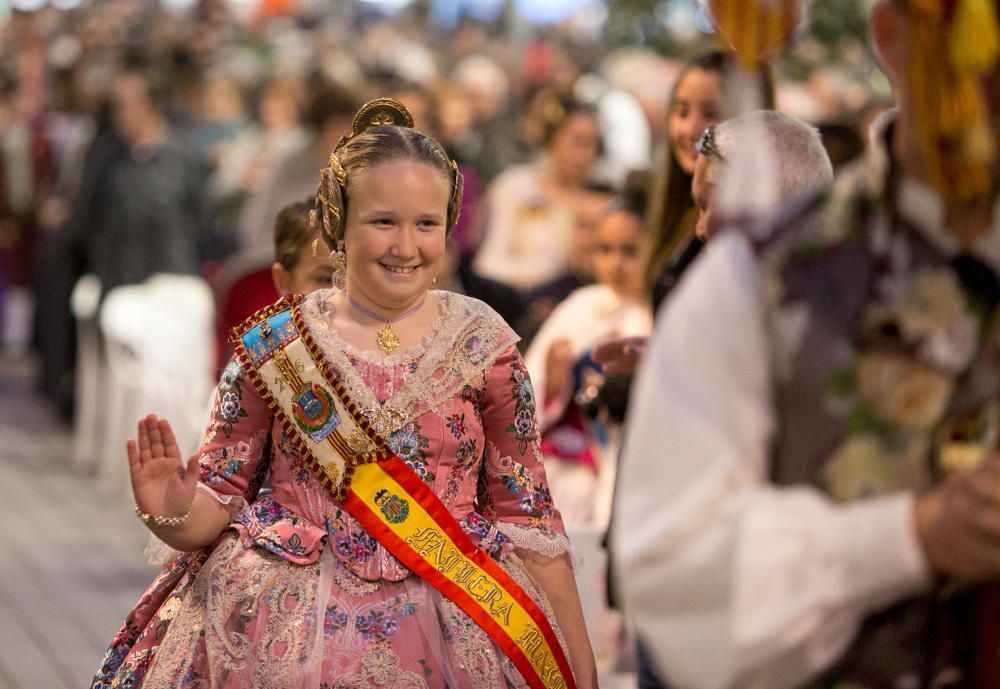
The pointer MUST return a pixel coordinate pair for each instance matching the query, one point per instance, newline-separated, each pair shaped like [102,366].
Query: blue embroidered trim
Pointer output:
[262,340]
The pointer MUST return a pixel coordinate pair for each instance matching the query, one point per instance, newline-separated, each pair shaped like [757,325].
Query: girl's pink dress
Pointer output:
[296,593]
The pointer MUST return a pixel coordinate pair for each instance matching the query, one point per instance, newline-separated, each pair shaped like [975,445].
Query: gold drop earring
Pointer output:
[339,260]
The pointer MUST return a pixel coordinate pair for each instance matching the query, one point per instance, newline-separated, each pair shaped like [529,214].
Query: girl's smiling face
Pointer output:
[696,106]
[394,233]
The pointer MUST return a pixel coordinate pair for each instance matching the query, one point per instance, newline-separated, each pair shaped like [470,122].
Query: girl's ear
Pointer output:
[281,278]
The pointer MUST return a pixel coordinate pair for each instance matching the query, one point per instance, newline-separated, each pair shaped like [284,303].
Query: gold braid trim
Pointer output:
[382,450]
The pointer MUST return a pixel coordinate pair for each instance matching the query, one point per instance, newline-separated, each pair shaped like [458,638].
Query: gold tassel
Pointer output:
[955,143]
[975,36]
[755,28]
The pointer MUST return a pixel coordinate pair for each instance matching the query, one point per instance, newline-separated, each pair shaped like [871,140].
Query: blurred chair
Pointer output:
[90,369]
[158,338]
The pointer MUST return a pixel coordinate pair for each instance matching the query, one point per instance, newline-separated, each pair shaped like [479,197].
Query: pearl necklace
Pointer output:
[387,339]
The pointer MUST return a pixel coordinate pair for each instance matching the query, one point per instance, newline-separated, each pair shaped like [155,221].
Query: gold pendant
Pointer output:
[388,340]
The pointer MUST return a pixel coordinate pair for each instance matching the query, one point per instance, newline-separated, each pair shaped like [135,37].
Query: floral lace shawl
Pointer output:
[458,409]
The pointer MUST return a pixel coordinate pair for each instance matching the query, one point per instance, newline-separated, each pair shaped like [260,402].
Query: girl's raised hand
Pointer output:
[163,484]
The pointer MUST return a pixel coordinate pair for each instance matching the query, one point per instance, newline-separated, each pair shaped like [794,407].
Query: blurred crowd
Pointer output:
[138,141]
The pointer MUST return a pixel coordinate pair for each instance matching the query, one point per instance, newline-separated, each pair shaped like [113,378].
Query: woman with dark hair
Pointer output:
[697,102]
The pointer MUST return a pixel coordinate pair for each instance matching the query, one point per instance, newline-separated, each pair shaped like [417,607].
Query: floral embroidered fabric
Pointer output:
[297,594]
[886,360]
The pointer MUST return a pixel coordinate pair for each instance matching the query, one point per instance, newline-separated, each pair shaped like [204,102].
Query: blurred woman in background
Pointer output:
[532,208]
[697,102]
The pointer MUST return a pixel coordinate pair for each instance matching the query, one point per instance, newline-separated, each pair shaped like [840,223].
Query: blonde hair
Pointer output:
[377,144]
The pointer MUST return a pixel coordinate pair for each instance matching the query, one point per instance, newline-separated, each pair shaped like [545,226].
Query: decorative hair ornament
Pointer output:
[457,186]
[708,147]
[377,113]
[338,170]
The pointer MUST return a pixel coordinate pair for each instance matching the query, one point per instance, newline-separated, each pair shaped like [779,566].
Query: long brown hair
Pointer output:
[670,214]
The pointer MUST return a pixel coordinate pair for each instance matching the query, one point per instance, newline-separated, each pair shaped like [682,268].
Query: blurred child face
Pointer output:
[696,106]
[591,208]
[278,109]
[619,253]
[456,117]
[309,274]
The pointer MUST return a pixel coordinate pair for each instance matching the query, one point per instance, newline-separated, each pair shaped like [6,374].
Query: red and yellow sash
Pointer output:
[391,502]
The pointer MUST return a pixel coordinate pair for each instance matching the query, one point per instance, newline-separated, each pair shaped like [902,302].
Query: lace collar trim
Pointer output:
[465,340]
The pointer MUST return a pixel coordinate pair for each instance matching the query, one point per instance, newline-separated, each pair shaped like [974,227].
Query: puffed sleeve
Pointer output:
[514,491]
[234,442]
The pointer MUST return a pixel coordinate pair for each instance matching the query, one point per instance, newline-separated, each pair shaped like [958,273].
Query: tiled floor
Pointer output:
[71,562]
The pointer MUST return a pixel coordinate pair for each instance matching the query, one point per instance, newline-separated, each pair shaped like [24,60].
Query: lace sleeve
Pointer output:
[530,538]
[513,483]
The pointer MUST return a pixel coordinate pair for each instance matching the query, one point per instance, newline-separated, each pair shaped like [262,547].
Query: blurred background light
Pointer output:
[703,17]
[388,6]
[546,11]
[27,5]
[483,10]
[681,19]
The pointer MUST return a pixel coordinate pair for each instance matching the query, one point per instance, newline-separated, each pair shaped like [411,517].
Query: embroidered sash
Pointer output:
[384,495]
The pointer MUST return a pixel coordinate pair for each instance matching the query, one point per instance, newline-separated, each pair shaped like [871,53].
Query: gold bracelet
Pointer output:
[157,520]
